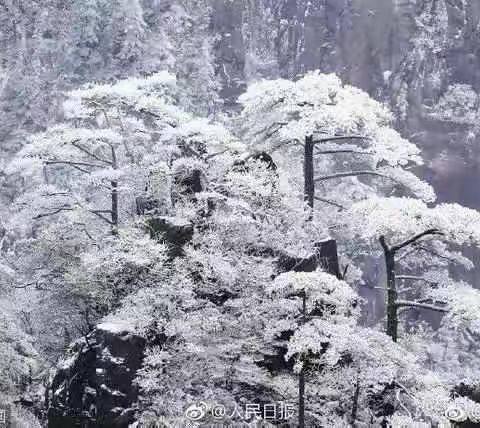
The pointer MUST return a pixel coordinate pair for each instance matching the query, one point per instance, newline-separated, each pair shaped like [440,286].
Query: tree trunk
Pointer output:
[356,396]
[301,399]
[114,195]
[327,257]
[392,295]
[301,377]
[114,185]
[309,183]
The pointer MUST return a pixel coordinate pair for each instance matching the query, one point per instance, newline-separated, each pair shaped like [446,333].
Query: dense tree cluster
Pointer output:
[223,321]
[136,206]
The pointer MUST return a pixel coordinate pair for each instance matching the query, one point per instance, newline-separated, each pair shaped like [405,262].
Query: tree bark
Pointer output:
[114,194]
[301,377]
[301,400]
[356,396]
[392,294]
[309,183]
[114,185]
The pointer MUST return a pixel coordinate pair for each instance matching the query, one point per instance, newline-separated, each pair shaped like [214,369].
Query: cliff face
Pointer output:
[359,39]
[405,52]
[93,385]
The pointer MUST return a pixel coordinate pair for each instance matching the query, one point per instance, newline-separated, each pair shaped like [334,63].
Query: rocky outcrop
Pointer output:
[324,257]
[174,232]
[93,386]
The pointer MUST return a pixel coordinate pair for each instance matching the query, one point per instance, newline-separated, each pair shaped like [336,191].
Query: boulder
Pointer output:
[93,386]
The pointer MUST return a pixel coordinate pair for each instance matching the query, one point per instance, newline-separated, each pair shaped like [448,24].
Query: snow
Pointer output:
[106,355]
[91,391]
[67,363]
[116,327]
[115,393]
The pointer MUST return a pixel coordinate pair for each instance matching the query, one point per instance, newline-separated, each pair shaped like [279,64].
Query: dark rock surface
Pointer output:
[92,386]
[171,231]
[325,257]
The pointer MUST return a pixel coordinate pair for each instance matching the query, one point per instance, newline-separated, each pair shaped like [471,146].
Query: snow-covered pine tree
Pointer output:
[345,137]
[82,179]
[417,241]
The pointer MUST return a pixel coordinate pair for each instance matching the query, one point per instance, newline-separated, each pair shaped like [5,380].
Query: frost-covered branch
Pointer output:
[415,278]
[406,303]
[56,211]
[339,138]
[89,153]
[74,163]
[416,238]
[339,151]
[352,174]
[329,202]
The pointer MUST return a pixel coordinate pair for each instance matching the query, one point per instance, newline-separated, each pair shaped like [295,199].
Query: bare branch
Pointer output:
[74,163]
[433,252]
[352,174]
[332,152]
[274,131]
[216,154]
[156,116]
[101,216]
[327,201]
[371,287]
[406,254]
[89,153]
[408,304]
[85,171]
[56,194]
[56,211]
[416,238]
[430,301]
[340,137]
[415,278]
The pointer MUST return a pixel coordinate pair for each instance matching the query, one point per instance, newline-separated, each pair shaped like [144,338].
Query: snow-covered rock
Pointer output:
[93,384]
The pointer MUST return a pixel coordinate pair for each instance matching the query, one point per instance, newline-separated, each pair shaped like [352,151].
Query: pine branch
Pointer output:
[101,216]
[332,152]
[418,247]
[88,152]
[409,304]
[352,174]
[340,137]
[73,163]
[56,211]
[415,278]
[327,201]
[416,238]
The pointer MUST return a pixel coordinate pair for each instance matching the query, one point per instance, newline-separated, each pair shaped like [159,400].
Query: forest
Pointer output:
[239,213]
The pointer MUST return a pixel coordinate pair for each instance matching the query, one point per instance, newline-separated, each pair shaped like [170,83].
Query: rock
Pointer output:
[173,231]
[469,391]
[242,164]
[381,401]
[146,205]
[93,386]
[325,257]
[191,183]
